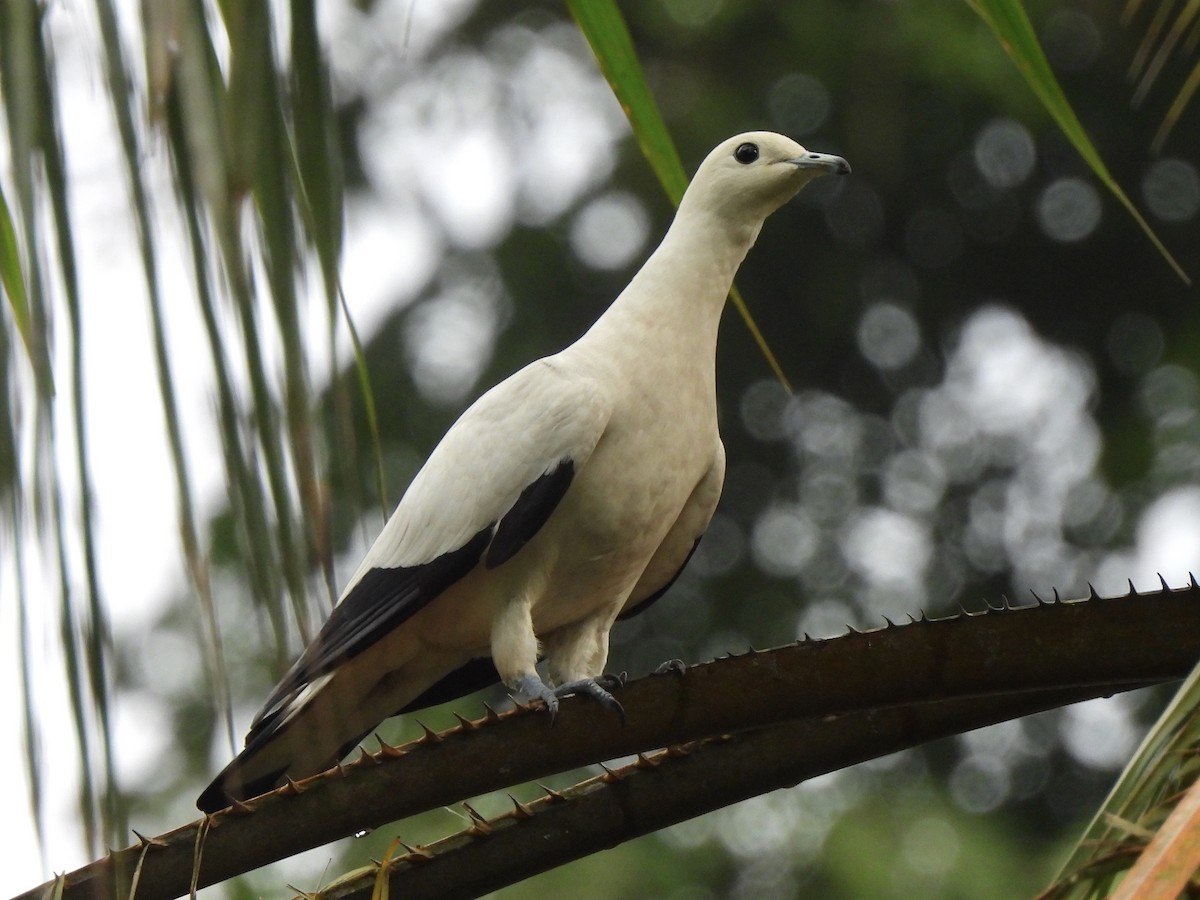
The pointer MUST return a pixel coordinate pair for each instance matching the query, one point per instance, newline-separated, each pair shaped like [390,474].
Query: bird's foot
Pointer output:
[535,689]
[672,667]
[598,690]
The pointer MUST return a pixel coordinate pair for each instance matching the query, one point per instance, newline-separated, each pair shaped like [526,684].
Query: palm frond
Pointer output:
[1162,770]
[258,198]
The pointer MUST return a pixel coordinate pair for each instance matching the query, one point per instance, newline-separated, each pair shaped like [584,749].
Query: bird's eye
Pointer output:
[746,153]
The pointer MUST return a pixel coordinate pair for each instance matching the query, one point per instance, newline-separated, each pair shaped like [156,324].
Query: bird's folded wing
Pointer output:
[486,490]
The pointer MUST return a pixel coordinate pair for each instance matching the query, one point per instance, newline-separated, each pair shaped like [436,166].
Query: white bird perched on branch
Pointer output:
[568,496]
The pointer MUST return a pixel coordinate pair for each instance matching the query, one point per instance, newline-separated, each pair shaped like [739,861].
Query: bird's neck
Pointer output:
[674,302]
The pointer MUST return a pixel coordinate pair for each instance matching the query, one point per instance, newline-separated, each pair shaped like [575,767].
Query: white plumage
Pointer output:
[568,495]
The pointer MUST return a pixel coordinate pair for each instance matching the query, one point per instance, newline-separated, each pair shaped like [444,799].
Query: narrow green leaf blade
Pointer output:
[317,159]
[1012,28]
[13,278]
[602,25]
[1175,111]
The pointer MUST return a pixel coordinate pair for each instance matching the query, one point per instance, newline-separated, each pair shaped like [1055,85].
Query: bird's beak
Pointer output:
[827,162]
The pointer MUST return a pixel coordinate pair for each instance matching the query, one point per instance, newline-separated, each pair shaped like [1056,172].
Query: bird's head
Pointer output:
[749,176]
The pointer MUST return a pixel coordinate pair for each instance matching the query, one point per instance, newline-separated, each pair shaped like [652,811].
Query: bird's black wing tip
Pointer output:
[228,788]
[213,798]
[529,513]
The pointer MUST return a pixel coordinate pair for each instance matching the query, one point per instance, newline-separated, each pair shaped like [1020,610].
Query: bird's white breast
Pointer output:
[658,445]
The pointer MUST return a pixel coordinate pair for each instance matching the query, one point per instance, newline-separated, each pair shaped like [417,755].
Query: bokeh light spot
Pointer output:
[1099,733]
[1170,394]
[762,825]
[692,13]
[1071,40]
[762,409]
[979,784]
[609,231]
[930,846]
[1089,500]
[886,546]
[1069,210]
[888,336]
[823,426]
[784,540]
[1005,153]
[913,482]
[828,494]
[1172,190]
[824,619]
[799,104]
[449,338]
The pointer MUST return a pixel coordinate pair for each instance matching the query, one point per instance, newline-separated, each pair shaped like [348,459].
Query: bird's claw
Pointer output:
[535,689]
[612,680]
[597,689]
[672,667]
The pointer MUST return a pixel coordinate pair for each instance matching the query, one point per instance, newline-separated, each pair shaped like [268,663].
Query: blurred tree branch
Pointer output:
[886,689]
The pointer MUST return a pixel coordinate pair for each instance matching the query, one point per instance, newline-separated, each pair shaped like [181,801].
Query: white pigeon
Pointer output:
[568,496]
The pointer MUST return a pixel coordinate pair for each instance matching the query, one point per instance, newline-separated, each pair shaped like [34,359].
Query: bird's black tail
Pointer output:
[262,767]
[280,746]
[230,785]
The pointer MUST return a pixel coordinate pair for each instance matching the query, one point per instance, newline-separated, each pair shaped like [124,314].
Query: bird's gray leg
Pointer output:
[576,656]
[515,653]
